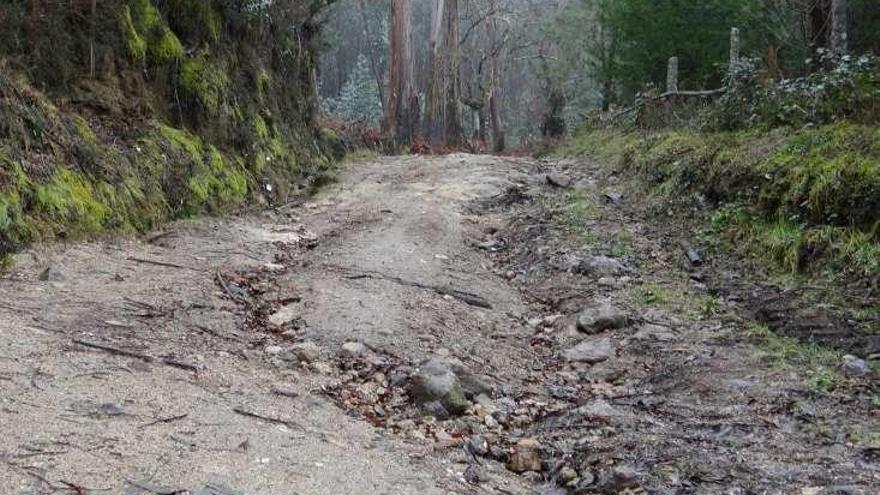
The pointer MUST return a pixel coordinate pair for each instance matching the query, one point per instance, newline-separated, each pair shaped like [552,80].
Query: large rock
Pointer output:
[473,384]
[600,318]
[601,266]
[433,383]
[353,350]
[559,180]
[284,316]
[853,366]
[307,352]
[591,351]
[526,456]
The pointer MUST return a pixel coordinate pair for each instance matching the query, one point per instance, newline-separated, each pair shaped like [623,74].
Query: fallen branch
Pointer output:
[163,263]
[164,421]
[268,419]
[466,297]
[136,355]
[114,350]
[228,290]
[180,364]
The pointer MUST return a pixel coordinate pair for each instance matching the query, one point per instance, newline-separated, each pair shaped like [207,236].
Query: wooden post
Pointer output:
[672,75]
[839,19]
[735,46]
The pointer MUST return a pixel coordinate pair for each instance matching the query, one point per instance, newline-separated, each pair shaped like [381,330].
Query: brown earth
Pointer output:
[176,361]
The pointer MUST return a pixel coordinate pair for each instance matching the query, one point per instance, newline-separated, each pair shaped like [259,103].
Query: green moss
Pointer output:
[83,130]
[135,44]
[69,199]
[805,200]
[144,14]
[260,128]
[262,81]
[204,80]
[213,184]
[146,33]
[166,47]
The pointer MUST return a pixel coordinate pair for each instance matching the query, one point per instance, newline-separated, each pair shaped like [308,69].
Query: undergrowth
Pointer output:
[803,201]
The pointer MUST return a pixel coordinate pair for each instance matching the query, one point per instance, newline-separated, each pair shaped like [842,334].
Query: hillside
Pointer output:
[119,115]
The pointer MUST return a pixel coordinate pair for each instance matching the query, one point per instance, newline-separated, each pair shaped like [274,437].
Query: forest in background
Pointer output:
[765,110]
[522,70]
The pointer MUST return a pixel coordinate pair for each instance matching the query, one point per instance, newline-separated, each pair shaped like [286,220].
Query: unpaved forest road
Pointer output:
[212,392]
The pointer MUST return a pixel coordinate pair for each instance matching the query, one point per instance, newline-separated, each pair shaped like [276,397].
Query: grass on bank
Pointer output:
[801,201]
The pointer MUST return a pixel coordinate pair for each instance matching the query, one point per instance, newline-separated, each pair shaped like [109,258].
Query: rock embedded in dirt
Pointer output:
[473,384]
[526,456]
[853,366]
[591,351]
[654,332]
[353,350]
[51,274]
[434,383]
[559,180]
[567,474]
[598,409]
[322,368]
[601,266]
[274,350]
[307,352]
[613,197]
[477,446]
[284,316]
[600,318]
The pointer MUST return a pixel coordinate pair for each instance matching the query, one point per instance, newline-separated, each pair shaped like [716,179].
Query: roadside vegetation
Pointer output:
[151,110]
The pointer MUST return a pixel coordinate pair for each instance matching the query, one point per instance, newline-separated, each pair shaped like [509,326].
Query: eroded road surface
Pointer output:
[429,325]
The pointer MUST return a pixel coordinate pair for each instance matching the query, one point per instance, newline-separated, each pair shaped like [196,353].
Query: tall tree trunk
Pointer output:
[366,39]
[493,97]
[433,111]
[453,130]
[498,137]
[402,111]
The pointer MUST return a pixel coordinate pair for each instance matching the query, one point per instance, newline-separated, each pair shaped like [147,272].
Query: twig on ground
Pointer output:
[466,297]
[164,421]
[114,350]
[268,419]
[163,263]
[136,355]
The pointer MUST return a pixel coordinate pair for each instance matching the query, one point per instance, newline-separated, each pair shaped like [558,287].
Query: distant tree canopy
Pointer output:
[543,62]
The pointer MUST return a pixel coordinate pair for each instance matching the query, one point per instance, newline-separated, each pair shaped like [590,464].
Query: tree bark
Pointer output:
[433,112]
[453,130]
[402,110]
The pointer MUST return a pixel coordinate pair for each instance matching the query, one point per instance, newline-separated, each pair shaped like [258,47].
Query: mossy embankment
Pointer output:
[142,111]
[804,202]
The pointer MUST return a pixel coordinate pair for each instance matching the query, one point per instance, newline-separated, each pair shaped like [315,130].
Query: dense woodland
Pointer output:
[496,73]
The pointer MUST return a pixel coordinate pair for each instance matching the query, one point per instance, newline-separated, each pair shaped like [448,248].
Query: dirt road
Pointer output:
[271,353]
